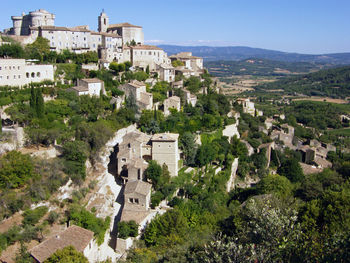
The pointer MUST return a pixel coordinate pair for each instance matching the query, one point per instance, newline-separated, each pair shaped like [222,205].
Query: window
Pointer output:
[18,67]
[33,75]
[123,159]
[139,174]
[129,145]
[27,74]
[38,74]
[0,77]
[150,53]
[131,200]
[136,200]
[19,76]
[14,76]
[0,68]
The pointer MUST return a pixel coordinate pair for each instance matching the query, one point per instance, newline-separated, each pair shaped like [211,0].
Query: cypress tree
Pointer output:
[39,107]
[32,101]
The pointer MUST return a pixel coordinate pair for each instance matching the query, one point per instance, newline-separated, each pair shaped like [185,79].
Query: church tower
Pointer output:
[103,22]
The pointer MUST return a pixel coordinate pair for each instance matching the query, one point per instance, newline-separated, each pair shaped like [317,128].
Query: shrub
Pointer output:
[31,217]
[127,229]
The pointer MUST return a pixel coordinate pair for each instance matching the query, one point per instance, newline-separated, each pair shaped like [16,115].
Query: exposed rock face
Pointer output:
[104,199]
[231,182]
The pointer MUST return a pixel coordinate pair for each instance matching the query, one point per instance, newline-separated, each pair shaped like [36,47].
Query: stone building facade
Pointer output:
[165,150]
[19,72]
[173,102]
[138,89]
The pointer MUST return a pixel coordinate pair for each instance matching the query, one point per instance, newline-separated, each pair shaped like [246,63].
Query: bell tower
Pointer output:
[103,22]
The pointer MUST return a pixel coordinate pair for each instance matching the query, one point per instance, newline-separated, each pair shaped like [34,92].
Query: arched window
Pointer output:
[27,74]
[38,74]
[33,75]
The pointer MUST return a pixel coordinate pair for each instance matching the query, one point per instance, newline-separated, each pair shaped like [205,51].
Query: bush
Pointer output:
[127,229]
[31,217]
[53,217]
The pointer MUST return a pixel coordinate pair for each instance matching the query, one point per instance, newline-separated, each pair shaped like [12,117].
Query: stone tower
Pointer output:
[103,22]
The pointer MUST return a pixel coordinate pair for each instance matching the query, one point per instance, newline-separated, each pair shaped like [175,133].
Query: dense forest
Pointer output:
[259,67]
[333,83]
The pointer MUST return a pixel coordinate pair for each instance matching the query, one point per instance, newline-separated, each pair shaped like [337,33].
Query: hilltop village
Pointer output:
[113,151]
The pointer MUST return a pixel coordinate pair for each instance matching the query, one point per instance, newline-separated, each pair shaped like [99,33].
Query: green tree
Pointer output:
[67,255]
[39,103]
[189,147]
[127,229]
[15,169]
[277,184]
[38,49]
[154,173]
[291,169]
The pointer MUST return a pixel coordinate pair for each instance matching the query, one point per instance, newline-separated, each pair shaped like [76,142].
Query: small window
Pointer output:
[19,76]
[129,145]
[38,74]
[14,76]
[131,200]
[136,200]
[33,75]
[123,159]
[19,67]
[27,74]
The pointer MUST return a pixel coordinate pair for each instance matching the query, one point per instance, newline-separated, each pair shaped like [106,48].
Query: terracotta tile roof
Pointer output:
[165,137]
[79,88]
[122,25]
[94,80]
[309,169]
[75,236]
[137,216]
[145,47]
[138,187]
[184,55]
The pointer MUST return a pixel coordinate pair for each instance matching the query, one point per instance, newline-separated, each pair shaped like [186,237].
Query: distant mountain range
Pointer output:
[237,53]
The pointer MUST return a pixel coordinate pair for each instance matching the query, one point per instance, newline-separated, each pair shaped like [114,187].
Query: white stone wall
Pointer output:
[15,72]
[12,72]
[166,152]
[38,73]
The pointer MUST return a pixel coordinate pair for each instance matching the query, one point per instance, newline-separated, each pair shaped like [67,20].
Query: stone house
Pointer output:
[137,196]
[165,150]
[248,106]
[137,147]
[142,56]
[138,89]
[81,239]
[166,72]
[91,87]
[190,98]
[133,152]
[195,64]
[173,102]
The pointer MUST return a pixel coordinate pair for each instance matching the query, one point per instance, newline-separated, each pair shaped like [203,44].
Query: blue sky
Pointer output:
[303,26]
